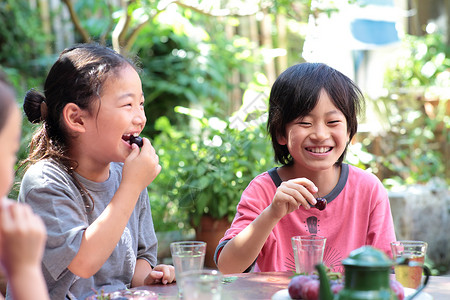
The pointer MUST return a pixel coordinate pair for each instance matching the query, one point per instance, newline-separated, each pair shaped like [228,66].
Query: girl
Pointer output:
[87,181]
[22,233]
[312,119]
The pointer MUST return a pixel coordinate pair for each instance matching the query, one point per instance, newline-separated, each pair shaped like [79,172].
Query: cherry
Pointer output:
[137,140]
[321,203]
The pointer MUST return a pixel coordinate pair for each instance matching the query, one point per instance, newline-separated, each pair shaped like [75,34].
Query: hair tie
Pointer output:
[43,110]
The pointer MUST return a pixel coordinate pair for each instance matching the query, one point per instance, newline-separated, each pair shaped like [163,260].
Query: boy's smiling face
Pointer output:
[317,140]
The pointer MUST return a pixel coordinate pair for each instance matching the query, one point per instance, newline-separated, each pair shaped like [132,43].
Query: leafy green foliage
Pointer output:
[415,115]
[184,65]
[205,167]
[21,37]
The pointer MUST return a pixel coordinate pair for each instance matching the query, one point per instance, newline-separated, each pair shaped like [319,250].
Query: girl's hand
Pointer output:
[22,238]
[142,165]
[161,274]
[292,194]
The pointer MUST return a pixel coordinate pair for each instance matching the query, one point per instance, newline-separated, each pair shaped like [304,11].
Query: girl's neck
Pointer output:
[91,170]
[325,180]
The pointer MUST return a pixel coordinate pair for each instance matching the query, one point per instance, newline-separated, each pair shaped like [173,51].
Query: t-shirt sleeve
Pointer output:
[381,227]
[147,241]
[62,209]
[255,198]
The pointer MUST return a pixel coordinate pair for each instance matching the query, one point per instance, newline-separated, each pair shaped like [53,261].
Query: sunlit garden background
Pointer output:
[207,68]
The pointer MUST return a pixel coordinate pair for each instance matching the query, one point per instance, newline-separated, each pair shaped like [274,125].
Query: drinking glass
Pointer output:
[308,252]
[409,274]
[203,284]
[187,256]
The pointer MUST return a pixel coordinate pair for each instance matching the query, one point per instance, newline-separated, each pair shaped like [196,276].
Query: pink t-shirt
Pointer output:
[358,213]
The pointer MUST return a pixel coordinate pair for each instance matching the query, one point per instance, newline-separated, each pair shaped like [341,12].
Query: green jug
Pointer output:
[366,277]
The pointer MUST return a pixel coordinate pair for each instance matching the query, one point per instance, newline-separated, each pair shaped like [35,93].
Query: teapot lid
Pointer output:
[367,256]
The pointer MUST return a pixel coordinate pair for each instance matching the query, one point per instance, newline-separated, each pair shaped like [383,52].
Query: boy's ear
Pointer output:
[281,139]
[73,117]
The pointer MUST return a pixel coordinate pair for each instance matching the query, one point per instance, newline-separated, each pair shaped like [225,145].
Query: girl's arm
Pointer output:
[22,240]
[145,275]
[241,251]
[101,237]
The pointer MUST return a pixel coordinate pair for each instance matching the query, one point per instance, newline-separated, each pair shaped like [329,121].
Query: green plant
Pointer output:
[205,167]
[414,114]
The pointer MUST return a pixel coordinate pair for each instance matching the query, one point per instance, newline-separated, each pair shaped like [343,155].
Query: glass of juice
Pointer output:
[409,273]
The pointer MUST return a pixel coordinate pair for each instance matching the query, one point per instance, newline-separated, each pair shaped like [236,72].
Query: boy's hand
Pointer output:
[161,274]
[142,165]
[292,194]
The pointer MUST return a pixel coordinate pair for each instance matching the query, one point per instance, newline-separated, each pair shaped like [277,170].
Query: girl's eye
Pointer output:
[304,123]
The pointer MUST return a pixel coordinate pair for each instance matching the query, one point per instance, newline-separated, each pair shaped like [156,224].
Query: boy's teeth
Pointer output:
[320,149]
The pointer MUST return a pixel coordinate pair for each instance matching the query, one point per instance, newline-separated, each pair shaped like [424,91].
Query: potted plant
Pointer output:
[206,167]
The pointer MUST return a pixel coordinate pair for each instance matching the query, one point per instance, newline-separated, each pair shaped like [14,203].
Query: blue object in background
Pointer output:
[374,32]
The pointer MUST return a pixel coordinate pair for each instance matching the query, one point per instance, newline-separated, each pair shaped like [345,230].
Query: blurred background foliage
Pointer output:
[207,68]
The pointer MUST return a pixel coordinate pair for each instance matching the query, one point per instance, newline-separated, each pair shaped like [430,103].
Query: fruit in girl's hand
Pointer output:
[136,140]
[296,284]
[397,288]
[321,203]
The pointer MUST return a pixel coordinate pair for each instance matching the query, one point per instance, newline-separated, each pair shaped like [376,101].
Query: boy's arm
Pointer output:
[242,250]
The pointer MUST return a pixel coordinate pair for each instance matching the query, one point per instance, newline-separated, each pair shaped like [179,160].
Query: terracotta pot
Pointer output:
[211,231]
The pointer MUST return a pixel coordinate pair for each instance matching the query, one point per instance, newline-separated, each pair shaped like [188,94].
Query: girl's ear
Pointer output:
[73,117]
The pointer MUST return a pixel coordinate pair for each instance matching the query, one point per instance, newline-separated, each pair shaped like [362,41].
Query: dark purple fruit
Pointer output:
[321,203]
[136,140]
[296,285]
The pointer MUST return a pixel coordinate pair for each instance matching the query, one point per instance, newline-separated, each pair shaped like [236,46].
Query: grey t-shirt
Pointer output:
[53,195]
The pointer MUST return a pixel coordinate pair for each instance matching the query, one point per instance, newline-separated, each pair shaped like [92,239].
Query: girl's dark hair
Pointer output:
[296,92]
[7,98]
[76,77]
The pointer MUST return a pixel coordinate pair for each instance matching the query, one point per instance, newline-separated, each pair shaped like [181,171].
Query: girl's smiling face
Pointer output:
[317,140]
[118,114]
[10,143]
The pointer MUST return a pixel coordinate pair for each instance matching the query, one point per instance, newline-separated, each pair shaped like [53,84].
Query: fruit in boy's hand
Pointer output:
[296,284]
[321,203]
[397,288]
[136,140]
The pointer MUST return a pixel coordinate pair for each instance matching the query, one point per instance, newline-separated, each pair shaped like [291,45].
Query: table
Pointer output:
[263,285]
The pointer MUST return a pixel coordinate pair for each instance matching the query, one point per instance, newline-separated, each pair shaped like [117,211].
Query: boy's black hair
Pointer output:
[295,94]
